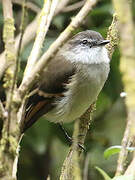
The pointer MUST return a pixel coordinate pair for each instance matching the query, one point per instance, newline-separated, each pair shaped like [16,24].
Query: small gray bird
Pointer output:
[72,80]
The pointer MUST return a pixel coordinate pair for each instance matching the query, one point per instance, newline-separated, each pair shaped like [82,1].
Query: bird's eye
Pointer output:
[84,42]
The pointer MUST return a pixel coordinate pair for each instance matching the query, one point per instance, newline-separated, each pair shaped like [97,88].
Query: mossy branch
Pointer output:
[113,35]
[10,132]
[127,68]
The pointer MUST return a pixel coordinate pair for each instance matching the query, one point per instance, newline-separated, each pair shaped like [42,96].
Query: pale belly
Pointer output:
[80,95]
[73,106]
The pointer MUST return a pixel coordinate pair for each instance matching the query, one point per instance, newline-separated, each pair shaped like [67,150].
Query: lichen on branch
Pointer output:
[127,68]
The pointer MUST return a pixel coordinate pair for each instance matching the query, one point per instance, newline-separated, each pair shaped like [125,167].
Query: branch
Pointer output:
[127,67]
[71,168]
[29,34]
[73,6]
[86,166]
[8,139]
[131,168]
[29,5]
[2,111]
[45,59]
[61,6]
[125,143]
[45,20]
[113,35]
[8,37]
[84,123]
[22,27]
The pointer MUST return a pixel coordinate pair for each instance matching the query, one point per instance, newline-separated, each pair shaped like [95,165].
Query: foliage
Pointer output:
[115,150]
[106,177]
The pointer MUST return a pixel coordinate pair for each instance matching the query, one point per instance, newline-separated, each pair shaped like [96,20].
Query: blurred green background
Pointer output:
[43,148]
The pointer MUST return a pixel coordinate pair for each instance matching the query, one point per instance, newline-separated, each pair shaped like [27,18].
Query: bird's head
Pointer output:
[86,47]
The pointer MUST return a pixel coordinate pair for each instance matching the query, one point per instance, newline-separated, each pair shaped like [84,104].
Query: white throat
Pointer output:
[95,55]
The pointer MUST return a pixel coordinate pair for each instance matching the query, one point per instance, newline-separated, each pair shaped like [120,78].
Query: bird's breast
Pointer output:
[81,92]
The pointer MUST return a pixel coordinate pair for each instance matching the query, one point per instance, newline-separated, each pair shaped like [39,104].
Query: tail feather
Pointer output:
[36,111]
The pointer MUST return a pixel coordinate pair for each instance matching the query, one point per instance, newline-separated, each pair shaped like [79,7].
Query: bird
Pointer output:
[71,82]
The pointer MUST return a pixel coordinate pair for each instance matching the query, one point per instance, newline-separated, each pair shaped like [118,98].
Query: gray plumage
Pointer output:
[73,79]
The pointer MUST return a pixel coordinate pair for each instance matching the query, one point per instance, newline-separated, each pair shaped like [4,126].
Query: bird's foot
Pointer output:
[69,139]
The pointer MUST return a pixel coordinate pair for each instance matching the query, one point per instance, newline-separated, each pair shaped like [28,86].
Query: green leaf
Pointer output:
[111,151]
[114,150]
[103,173]
[129,177]
[106,177]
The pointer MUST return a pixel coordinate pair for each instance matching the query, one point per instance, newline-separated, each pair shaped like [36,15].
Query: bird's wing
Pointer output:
[52,85]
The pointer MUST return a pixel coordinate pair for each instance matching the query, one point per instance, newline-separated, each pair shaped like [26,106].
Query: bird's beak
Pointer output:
[103,42]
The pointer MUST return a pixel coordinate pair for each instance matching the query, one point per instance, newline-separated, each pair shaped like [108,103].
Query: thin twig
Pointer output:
[2,111]
[71,168]
[8,37]
[76,171]
[61,5]
[45,20]
[84,123]
[29,5]
[14,170]
[131,168]
[22,27]
[86,167]
[44,60]
[123,153]
[35,52]
[7,9]
[74,6]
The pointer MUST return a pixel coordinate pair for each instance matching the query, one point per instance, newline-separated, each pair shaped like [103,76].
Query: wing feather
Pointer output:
[52,85]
